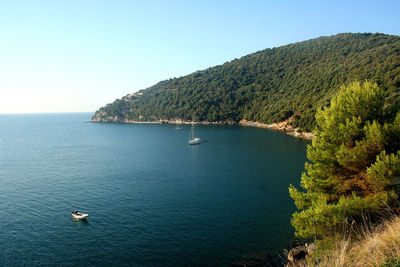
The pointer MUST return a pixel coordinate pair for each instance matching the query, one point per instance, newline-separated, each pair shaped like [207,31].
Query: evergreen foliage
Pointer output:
[354,159]
[270,85]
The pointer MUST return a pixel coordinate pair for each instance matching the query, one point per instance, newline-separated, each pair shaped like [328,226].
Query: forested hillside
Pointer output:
[270,85]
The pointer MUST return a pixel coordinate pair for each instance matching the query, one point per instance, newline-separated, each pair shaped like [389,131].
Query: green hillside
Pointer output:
[270,85]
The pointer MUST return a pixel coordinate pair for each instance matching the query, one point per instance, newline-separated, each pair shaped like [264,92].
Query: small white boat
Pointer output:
[192,139]
[79,216]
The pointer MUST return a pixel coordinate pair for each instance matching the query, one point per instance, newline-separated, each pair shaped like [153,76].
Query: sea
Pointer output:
[152,199]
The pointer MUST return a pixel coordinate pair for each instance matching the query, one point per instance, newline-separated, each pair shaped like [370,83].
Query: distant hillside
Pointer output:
[270,85]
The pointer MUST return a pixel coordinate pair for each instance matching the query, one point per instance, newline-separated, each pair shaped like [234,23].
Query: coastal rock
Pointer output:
[297,253]
[297,256]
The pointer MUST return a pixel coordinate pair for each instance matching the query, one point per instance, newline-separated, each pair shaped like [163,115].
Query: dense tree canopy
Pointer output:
[354,158]
[270,85]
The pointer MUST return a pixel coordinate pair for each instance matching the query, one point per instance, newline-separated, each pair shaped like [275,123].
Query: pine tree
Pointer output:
[354,158]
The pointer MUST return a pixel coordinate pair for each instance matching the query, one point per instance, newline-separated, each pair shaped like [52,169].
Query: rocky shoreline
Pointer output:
[284,126]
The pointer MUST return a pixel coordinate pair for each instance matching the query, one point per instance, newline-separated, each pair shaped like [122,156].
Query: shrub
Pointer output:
[354,158]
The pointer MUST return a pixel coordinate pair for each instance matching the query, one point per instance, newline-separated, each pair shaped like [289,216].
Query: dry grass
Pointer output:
[374,248]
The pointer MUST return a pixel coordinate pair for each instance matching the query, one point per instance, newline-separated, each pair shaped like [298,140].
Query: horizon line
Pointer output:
[38,113]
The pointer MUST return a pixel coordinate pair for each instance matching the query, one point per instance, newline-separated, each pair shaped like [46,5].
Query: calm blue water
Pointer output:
[151,199]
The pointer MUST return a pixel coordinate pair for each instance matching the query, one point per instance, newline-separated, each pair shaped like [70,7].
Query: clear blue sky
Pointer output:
[65,56]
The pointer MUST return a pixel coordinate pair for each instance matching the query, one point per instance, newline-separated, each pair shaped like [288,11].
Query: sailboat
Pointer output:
[192,139]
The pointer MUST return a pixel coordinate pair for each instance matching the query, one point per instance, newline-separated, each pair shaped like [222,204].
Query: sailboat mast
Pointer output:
[192,132]
[192,139]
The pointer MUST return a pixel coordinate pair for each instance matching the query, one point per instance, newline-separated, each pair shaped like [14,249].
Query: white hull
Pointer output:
[80,216]
[195,141]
